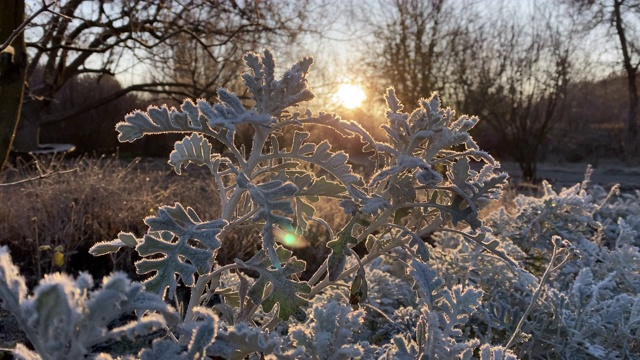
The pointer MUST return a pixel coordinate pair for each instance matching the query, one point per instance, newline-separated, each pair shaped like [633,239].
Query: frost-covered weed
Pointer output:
[476,293]
[589,307]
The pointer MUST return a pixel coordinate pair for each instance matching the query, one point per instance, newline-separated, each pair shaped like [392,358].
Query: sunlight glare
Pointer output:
[350,96]
[289,239]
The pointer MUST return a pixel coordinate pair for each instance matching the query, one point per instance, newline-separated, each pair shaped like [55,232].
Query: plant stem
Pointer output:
[537,293]
[198,290]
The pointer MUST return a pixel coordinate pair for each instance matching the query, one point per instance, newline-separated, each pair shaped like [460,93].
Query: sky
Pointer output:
[341,44]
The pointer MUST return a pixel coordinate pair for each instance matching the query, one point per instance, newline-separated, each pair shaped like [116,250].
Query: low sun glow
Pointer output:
[350,96]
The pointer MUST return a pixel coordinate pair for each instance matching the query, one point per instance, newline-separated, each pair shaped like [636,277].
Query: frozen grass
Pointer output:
[73,210]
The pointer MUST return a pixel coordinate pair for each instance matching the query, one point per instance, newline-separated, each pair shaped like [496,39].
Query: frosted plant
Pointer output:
[424,182]
[64,318]
[588,307]
[328,333]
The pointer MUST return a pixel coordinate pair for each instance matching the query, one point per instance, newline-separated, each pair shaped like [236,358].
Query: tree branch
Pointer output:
[20,29]
[41,176]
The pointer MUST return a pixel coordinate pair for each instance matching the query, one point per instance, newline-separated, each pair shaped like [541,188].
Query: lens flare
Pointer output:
[289,238]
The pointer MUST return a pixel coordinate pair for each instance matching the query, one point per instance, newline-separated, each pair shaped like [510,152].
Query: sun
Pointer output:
[350,96]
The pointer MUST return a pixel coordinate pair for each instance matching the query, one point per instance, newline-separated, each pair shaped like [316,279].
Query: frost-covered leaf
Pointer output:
[273,96]
[13,289]
[169,236]
[229,112]
[200,333]
[405,162]
[284,291]
[108,247]
[311,186]
[21,352]
[272,199]
[194,149]
[359,289]
[158,120]
[163,349]
[321,155]
[238,341]
[329,332]
[346,128]
[427,282]
[457,304]
[119,295]
[488,352]
[143,326]
[65,318]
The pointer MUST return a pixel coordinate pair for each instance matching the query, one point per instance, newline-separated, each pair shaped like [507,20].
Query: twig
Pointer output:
[16,32]
[536,294]
[42,176]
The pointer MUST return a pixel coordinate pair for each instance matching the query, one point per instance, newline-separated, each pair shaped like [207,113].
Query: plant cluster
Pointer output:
[414,273]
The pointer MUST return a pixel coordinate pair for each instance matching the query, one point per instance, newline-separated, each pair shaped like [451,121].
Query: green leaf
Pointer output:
[340,248]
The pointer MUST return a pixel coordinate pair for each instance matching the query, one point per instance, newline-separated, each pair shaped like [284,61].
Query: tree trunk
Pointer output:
[528,166]
[13,64]
[632,125]
[630,141]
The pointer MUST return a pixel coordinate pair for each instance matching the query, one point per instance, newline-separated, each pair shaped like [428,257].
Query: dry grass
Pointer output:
[73,210]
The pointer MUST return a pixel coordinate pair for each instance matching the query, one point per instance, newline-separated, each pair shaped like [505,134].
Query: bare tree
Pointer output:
[510,66]
[100,37]
[621,18]
[409,44]
[515,77]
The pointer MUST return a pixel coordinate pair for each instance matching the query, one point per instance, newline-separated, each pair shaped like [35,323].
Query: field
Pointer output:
[605,173]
